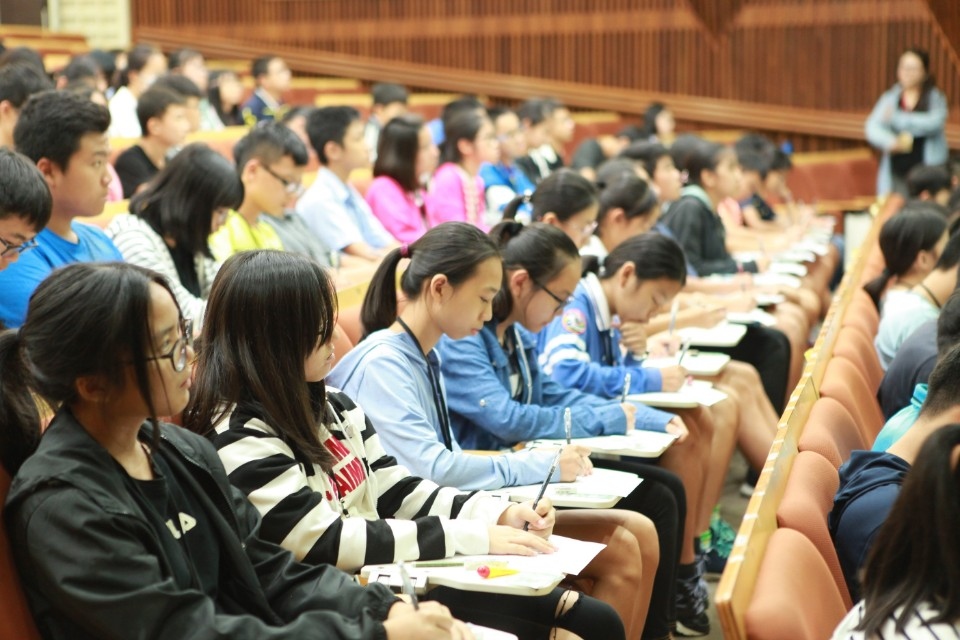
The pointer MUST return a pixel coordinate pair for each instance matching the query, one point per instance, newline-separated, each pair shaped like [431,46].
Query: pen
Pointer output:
[567,423]
[626,388]
[437,564]
[683,352]
[407,586]
[673,316]
[543,487]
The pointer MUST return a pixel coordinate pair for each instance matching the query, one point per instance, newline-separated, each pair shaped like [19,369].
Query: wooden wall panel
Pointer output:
[829,55]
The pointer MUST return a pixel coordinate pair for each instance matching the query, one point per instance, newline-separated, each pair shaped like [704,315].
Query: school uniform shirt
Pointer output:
[402,214]
[917,625]
[664,230]
[581,350]
[595,247]
[123,115]
[20,279]
[699,230]
[589,153]
[371,135]
[912,365]
[238,235]
[261,106]
[141,245]
[540,162]
[296,237]
[499,397]
[337,214]
[387,374]
[899,321]
[134,168]
[456,196]
[901,421]
[366,510]
[209,118]
[502,184]
[870,482]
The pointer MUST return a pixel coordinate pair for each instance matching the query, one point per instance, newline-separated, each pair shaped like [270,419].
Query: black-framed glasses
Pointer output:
[290,186]
[561,303]
[9,249]
[179,352]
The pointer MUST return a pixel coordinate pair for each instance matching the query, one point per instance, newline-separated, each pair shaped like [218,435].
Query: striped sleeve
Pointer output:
[301,511]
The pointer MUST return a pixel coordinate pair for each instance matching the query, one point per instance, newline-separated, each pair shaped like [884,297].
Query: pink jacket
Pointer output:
[448,199]
[396,209]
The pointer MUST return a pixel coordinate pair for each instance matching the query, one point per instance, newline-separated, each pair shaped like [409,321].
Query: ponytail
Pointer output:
[564,193]
[653,255]
[453,249]
[20,434]
[918,227]
[511,208]
[542,250]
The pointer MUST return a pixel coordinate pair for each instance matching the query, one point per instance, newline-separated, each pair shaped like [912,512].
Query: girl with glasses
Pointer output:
[169,223]
[563,199]
[127,527]
[450,285]
[311,461]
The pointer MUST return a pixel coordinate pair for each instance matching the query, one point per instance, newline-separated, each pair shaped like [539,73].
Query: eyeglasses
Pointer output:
[561,303]
[180,350]
[9,250]
[292,187]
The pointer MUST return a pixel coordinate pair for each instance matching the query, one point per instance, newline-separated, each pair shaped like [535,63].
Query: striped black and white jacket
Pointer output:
[916,627]
[367,510]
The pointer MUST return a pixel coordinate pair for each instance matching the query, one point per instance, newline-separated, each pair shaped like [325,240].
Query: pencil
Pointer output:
[543,487]
[626,388]
[568,423]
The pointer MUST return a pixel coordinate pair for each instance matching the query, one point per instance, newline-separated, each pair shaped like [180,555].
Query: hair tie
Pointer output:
[527,198]
[404,250]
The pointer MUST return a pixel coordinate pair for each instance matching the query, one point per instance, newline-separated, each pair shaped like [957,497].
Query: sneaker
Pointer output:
[692,600]
[722,534]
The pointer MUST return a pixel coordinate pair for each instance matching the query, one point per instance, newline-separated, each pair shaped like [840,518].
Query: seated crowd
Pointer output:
[530,290]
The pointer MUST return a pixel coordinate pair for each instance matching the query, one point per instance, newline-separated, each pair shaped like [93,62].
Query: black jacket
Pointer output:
[93,567]
[701,234]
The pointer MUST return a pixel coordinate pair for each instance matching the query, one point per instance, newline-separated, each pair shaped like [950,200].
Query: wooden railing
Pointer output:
[805,123]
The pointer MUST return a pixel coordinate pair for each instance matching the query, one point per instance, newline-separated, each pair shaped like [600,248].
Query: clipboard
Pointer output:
[524,583]
[636,444]
[603,489]
[722,335]
[699,364]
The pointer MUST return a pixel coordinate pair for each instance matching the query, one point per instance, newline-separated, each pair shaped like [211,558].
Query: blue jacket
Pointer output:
[387,375]
[484,413]
[581,350]
[869,484]
[926,124]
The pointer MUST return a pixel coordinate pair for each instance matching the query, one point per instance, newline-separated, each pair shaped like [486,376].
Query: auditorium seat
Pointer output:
[349,320]
[862,313]
[855,346]
[807,500]
[831,432]
[844,382]
[15,620]
[795,597]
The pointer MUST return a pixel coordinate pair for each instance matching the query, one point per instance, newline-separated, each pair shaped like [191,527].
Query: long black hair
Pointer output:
[542,250]
[918,227]
[653,255]
[85,319]
[629,193]
[453,249]
[397,150]
[564,193]
[915,558]
[929,82]
[268,311]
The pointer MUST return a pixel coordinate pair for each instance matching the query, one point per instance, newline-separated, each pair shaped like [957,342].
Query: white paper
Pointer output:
[695,392]
[642,444]
[788,268]
[486,633]
[776,280]
[769,299]
[756,316]
[571,557]
[722,335]
[700,364]
[602,482]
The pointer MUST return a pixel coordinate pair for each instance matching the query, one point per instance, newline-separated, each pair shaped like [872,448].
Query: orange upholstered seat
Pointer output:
[843,382]
[807,500]
[831,432]
[856,347]
[15,618]
[795,597]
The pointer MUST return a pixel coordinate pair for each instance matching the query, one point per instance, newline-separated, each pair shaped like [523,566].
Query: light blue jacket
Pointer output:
[484,413]
[928,124]
[581,351]
[387,375]
[900,422]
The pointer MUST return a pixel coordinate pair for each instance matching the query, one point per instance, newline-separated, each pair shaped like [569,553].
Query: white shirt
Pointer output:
[916,627]
[123,115]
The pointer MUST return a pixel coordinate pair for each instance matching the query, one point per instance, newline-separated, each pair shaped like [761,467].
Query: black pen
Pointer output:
[543,487]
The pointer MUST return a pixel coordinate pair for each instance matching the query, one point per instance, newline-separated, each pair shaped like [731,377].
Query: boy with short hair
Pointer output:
[930,182]
[191,93]
[270,159]
[504,180]
[24,205]
[332,208]
[389,101]
[18,82]
[65,135]
[272,77]
[163,119]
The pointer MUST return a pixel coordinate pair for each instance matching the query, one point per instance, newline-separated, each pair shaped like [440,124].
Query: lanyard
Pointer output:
[439,401]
